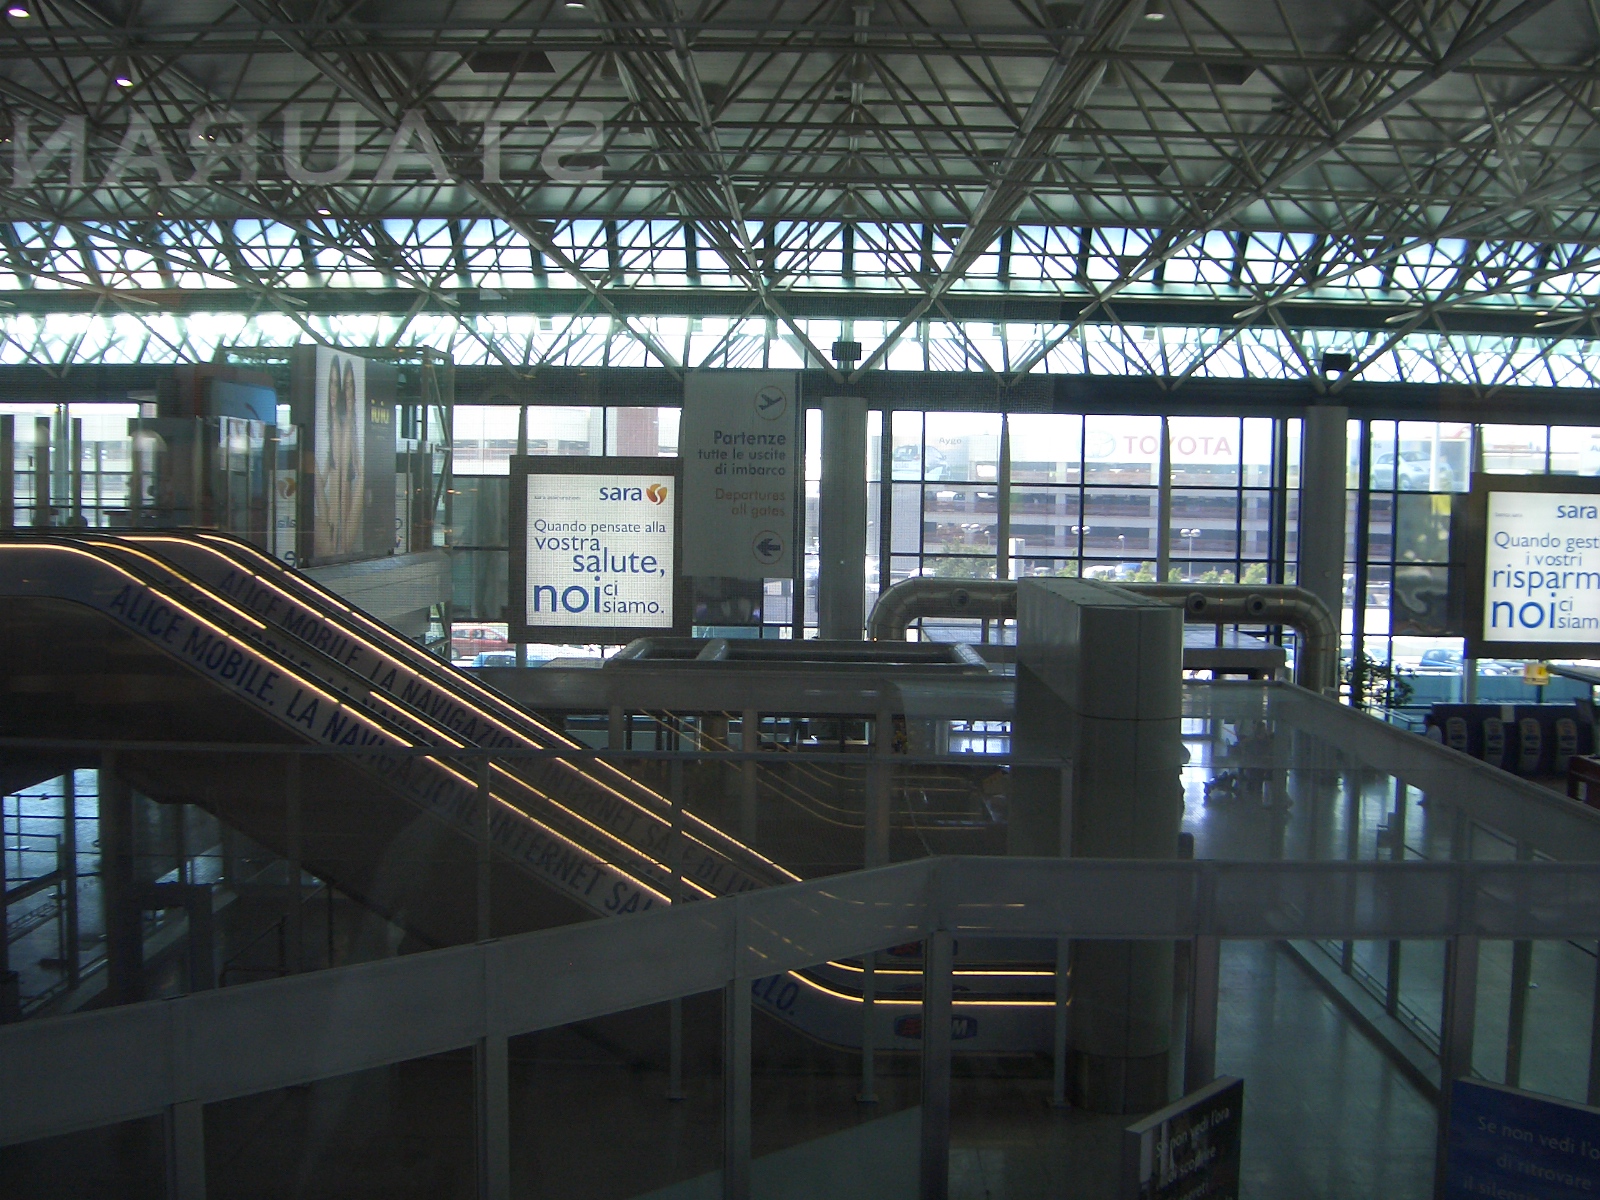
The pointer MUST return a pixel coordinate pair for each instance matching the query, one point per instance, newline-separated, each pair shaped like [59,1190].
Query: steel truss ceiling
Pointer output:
[1389,178]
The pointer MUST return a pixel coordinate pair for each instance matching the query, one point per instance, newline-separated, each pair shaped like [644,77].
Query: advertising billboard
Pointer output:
[596,546]
[339,455]
[344,405]
[1534,567]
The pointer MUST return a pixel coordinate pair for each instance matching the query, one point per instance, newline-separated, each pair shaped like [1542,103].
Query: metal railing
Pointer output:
[172,1057]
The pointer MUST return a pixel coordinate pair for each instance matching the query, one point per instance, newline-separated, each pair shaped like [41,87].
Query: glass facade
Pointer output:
[967,495]
[1397,544]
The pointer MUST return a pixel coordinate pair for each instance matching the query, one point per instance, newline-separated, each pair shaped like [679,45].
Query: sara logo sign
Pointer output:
[656,493]
[599,552]
[1542,568]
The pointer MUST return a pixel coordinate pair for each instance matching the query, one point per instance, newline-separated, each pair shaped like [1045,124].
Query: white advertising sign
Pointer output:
[599,551]
[338,443]
[1542,568]
[739,443]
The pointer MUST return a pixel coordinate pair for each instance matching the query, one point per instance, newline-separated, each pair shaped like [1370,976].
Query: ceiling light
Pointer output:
[122,73]
[1543,312]
[1155,16]
[576,4]
[324,212]
[19,11]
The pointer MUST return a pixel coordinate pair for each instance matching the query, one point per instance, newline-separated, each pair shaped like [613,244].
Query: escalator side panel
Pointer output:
[600,794]
[313,713]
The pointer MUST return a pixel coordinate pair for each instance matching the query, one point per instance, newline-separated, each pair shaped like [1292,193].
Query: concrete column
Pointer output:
[124,915]
[842,519]
[1321,525]
[1099,684]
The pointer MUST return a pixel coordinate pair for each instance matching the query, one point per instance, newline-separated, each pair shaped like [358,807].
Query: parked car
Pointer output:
[495,658]
[468,640]
[909,462]
[1440,661]
[1416,472]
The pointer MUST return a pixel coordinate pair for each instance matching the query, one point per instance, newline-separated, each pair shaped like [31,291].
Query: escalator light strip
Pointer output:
[877,1000]
[484,694]
[579,817]
[399,742]
[552,833]
[206,623]
[714,834]
[167,567]
[995,974]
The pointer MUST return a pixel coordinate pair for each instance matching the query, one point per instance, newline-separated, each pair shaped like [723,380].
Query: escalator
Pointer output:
[196,637]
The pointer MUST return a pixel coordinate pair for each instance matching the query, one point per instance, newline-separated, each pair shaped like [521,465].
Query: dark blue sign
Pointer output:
[1189,1150]
[1514,1145]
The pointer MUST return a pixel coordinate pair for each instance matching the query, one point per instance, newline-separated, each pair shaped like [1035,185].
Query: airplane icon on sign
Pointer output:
[767,546]
[771,403]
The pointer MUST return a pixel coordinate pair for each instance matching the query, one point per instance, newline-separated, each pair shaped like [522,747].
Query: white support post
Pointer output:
[937,986]
[294,925]
[1063,1014]
[749,796]
[1593,1097]
[1521,977]
[675,1050]
[492,1069]
[185,1132]
[1200,1056]
[869,983]
[1457,1020]
[879,776]
[485,861]
[736,1089]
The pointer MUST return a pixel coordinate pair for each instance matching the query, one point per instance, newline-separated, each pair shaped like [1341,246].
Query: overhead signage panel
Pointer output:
[595,549]
[739,442]
[1542,568]
[1534,567]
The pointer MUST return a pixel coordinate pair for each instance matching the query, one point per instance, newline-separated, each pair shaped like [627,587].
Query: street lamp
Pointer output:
[1189,536]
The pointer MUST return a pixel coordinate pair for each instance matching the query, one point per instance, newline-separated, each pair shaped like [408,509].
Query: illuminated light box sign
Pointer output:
[1534,568]
[596,544]
[345,405]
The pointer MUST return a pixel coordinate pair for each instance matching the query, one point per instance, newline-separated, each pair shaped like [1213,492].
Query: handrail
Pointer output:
[91,1069]
[1203,604]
